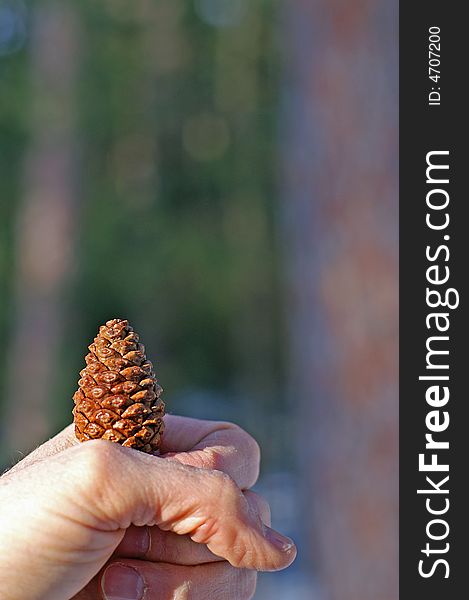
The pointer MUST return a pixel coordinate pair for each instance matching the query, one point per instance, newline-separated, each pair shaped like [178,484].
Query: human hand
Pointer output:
[68,510]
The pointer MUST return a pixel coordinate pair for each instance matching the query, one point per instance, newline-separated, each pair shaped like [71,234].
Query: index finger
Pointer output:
[212,445]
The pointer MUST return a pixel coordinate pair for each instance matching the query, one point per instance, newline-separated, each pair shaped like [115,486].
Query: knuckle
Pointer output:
[95,461]
[244,454]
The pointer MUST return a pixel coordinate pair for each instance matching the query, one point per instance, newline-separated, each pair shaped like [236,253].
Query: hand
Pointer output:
[68,509]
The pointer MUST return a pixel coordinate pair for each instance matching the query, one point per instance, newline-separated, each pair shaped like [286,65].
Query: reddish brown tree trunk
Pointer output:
[45,227]
[340,209]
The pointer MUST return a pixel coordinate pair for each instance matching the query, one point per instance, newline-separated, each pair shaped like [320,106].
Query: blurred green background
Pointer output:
[223,174]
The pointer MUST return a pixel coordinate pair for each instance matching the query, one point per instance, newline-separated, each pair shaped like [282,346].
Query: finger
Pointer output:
[184,433]
[206,505]
[212,445]
[153,544]
[145,581]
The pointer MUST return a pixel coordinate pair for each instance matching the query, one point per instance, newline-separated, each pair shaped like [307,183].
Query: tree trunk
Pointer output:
[45,226]
[340,225]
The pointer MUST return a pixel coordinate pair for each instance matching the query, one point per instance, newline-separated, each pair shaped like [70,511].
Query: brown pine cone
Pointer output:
[119,398]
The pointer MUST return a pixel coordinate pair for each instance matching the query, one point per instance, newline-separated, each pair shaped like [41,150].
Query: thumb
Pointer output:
[121,486]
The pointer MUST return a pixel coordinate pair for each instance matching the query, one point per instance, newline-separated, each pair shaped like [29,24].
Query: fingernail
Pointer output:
[281,542]
[120,582]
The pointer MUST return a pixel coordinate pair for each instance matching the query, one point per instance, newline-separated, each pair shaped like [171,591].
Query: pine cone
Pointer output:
[118,397]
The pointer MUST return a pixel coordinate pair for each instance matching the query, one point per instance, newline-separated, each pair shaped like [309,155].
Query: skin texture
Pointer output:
[83,521]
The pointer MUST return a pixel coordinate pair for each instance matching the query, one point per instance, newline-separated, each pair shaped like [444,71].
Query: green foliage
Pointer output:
[176,130]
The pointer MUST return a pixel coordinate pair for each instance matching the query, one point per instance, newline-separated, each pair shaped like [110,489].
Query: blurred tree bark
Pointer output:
[45,226]
[341,234]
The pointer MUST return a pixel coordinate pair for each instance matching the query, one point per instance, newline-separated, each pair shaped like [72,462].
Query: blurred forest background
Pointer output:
[224,174]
